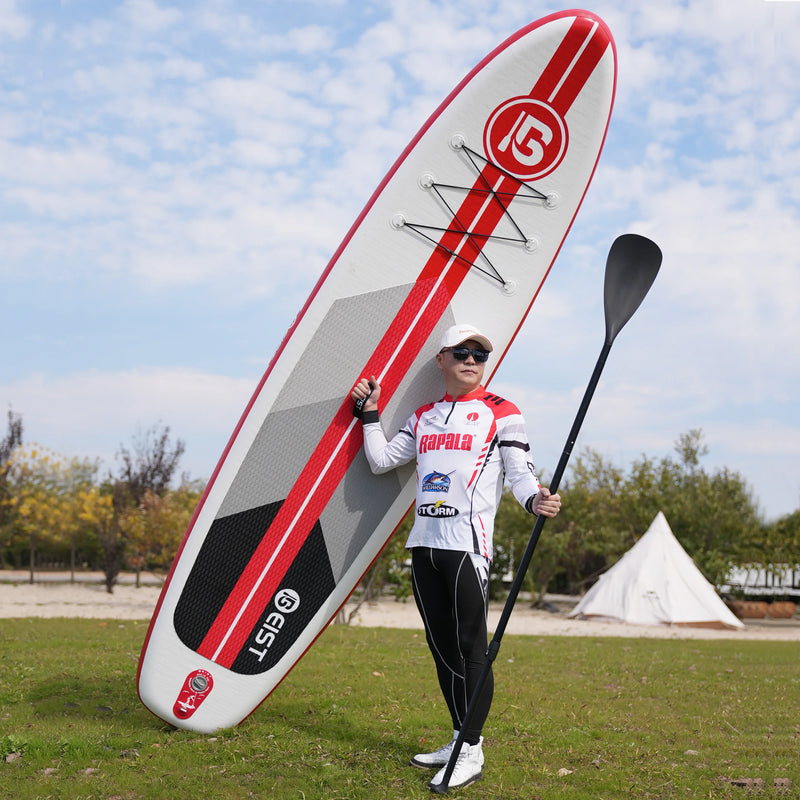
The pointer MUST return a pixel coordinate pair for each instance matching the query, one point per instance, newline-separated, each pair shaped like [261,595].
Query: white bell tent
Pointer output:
[656,582]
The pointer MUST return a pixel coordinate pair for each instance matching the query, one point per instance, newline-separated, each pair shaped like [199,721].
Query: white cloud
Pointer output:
[182,69]
[149,16]
[118,80]
[53,168]
[218,154]
[13,23]
[90,414]
[309,40]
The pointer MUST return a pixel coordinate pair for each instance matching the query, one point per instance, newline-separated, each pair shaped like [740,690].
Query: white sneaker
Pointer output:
[438,758]
[468,768]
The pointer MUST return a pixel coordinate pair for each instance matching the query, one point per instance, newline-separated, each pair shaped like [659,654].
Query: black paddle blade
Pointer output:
[632,265]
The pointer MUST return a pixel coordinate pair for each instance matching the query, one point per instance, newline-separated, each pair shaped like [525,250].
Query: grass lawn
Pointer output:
[577,718]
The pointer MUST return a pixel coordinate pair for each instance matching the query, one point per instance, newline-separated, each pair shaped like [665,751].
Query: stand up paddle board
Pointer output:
[464,228]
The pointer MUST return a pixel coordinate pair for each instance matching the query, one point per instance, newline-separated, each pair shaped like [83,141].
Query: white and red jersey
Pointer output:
[465,449]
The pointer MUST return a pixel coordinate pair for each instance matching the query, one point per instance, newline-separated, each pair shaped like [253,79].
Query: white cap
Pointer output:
[458,334]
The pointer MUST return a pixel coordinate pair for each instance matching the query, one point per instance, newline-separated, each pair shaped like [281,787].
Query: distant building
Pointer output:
[760,580]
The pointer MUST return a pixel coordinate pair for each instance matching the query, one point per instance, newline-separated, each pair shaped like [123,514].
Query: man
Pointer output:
[465,445]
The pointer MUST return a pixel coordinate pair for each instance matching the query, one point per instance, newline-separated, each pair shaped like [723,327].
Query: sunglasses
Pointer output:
[463,353]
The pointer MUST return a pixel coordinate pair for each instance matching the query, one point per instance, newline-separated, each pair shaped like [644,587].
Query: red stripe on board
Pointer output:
[565,54]
[303,519]
[293,514]
[438,281]
[580,72]
[441,298]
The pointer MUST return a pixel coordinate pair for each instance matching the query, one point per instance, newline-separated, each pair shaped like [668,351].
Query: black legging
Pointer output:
[452,596]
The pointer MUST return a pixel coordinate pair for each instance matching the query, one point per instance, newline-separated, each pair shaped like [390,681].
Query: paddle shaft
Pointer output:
[631,267]
[516,586]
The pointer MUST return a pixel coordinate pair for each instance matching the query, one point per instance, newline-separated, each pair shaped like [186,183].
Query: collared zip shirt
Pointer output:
[465,449]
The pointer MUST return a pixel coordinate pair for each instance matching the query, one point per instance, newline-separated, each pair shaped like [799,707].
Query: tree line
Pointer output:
[713,514]
[66,512]
[57,511]
[606,509]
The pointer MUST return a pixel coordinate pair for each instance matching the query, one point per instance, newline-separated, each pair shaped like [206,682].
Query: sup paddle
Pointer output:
[631,267]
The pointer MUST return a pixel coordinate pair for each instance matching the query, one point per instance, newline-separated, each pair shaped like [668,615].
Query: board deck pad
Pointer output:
[464,228]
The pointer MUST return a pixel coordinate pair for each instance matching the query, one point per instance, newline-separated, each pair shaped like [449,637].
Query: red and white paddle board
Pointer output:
[464,228]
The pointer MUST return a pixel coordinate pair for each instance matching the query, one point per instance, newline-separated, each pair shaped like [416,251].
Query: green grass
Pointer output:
[629,718]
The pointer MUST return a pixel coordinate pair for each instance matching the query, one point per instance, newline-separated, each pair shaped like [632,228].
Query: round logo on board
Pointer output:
[525,137]
[287,600]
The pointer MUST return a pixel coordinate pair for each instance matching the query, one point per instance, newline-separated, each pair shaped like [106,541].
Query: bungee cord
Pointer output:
[475,237]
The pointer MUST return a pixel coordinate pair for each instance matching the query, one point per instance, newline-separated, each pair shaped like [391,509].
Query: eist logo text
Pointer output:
[445,441]
[287,602]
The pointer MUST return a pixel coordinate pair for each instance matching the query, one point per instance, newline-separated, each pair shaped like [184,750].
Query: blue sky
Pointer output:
[175,176]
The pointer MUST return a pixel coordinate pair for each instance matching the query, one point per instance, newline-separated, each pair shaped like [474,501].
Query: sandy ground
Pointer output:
[52,595]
